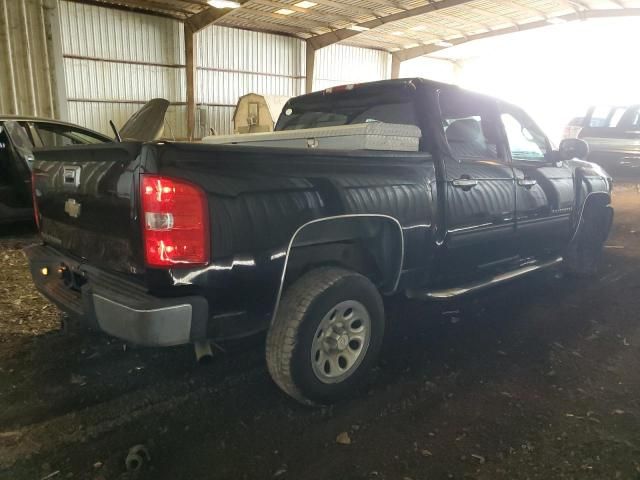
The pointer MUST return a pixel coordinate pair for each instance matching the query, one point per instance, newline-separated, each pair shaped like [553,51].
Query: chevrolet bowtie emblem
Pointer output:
[72,208]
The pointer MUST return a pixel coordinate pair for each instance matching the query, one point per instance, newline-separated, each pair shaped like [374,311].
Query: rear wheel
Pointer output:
[326,335]
[584,254]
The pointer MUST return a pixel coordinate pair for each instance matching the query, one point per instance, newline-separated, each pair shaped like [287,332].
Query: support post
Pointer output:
[310,68]
[395,66]
[190,49]
[59,89]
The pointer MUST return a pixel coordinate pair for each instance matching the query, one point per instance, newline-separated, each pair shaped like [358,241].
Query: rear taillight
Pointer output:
[34,197]
[174,217]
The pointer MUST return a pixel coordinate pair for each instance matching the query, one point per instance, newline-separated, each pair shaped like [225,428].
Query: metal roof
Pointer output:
[391,25]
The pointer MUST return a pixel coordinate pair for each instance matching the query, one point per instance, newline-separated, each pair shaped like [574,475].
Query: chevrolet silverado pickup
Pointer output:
[164,243]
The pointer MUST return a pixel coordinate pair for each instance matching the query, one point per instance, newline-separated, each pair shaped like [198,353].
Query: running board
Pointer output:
[474,287]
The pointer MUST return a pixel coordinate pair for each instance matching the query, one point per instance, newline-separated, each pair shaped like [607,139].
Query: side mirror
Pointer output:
[571,148]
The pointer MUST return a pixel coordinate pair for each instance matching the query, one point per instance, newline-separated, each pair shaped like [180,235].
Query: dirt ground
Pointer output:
[535,380]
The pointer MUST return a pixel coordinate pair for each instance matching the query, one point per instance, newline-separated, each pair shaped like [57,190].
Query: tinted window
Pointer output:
[631,119]
[606,117]
[470,126]
[54,135]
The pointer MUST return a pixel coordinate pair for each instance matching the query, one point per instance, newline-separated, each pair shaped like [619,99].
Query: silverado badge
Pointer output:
[72,208]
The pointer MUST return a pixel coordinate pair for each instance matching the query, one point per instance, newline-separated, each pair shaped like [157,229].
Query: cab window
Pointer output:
[606,116]
[55,135]
[631,119]
[526,140]
[470,126]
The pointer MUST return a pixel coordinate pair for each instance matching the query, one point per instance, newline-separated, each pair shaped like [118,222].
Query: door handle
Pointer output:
[527,182]
[465,183]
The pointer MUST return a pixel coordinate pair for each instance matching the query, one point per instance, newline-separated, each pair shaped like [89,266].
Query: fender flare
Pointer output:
[334,218]
[590,198]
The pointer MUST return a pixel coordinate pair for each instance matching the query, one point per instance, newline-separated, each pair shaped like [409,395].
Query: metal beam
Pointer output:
[330,38]
[190,72]
[58,86]
[395,67]
[415,52]
[310,68]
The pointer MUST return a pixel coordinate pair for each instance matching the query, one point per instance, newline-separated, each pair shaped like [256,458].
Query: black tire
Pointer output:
[305,304]
[584,254]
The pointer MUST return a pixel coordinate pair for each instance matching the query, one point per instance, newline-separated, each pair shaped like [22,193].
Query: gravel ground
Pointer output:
[535,380]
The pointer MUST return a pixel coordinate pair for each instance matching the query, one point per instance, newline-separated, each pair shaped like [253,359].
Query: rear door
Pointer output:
[480,192]
[544,188]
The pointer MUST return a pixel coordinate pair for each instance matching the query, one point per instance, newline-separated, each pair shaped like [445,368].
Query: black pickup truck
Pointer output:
[173,243]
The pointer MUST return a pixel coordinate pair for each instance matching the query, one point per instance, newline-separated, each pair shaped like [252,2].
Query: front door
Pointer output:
[480,192]
[545,192]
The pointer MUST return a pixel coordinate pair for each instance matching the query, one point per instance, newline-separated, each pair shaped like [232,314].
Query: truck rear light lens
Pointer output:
[175,222]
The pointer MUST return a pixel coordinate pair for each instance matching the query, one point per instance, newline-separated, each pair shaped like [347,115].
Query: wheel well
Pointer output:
[370,245]
[593,202]
[597,199]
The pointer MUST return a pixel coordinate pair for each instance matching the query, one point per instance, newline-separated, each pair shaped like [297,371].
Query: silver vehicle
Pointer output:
[613,135]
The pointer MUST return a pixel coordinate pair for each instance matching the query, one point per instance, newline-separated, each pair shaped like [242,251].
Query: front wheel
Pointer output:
[326,335]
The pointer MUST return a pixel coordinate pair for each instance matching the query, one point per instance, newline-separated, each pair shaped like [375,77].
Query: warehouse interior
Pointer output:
[103,59]
[535,378]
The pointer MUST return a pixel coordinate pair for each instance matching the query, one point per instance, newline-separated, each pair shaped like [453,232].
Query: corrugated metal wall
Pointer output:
[231,63]
[116,60]
[29,80]
[340,64]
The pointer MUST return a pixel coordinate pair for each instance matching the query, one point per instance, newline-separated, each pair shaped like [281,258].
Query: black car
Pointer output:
[613,135]
[164,243]
[19,136]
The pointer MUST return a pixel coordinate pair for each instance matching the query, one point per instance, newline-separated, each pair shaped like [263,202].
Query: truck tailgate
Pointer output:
[86,202]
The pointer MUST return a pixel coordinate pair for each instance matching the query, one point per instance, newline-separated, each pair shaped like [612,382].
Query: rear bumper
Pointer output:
[116,305]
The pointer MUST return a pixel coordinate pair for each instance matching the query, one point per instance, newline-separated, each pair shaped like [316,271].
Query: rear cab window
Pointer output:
[349,106]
